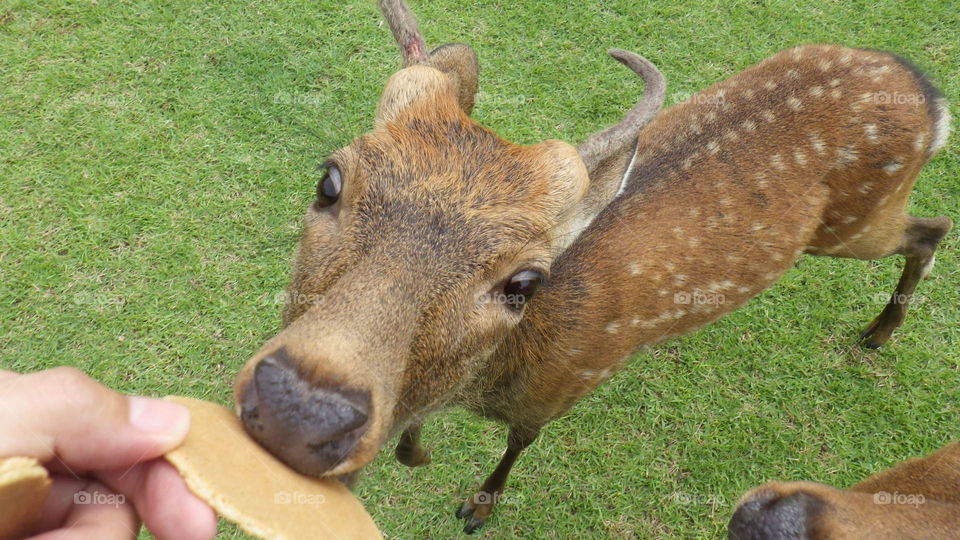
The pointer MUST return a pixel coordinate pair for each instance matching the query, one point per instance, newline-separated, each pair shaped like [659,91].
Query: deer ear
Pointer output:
[459,63]
[411,84]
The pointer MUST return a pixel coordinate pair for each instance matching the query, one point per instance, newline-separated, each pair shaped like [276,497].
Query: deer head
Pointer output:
[427,237]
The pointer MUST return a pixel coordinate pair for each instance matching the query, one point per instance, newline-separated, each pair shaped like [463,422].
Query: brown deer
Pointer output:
[919,498]
[441,265]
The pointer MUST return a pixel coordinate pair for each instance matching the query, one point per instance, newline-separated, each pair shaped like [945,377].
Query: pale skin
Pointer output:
[96,441]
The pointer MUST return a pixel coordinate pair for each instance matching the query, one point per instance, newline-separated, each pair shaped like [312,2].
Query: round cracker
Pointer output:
[24,486]
[245,484]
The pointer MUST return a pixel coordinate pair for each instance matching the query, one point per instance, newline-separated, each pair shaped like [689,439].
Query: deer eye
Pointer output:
[329,187]
[521,287]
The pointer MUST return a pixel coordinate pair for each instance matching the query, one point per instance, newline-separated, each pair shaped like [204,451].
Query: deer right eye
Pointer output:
[329,187]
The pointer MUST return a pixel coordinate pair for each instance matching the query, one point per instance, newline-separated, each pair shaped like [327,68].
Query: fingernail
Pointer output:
[158,416]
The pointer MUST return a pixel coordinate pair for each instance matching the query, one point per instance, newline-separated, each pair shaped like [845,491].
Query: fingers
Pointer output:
[163,501]
[63,413]
[84,510]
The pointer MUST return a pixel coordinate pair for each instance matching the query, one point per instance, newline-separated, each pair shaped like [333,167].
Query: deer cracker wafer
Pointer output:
[223,466]
[24,486]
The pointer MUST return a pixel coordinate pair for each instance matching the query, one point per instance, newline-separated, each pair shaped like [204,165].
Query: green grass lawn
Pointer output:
[156,158]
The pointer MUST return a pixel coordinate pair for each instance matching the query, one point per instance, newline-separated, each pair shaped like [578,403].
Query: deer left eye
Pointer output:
[521,287]
[329,187]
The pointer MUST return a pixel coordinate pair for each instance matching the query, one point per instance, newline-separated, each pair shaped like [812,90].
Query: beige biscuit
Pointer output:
[246,485]
[24,486]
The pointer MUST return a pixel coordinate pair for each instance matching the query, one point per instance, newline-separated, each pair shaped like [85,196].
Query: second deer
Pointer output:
[441,265]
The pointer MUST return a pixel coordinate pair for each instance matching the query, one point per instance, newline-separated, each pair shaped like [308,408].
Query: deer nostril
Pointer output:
[310,427]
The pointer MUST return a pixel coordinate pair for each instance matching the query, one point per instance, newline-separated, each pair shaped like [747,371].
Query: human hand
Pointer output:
[104,452]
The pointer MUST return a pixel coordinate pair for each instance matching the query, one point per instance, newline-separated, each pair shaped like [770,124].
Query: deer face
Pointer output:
[427,237]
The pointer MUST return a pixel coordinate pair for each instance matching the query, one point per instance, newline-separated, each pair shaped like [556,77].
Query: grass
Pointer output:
[156,157]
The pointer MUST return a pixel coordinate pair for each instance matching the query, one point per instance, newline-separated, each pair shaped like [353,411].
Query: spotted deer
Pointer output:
[917,499]
[441,265]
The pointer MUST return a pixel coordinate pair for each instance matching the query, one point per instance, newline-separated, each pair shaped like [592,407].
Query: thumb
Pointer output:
[63,415]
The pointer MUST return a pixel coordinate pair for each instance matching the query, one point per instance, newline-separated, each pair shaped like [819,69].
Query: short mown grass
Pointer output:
[156,158]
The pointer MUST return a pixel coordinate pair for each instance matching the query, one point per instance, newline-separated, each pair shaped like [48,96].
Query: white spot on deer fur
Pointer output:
[586,374]
[748,93]
[693,242]
[835,94]
[942,128]
[679,279]
[768,116]
[818,145]
[693,212]
[669,266]
[867,229]
[761,180]
[777,257]
[732,135]
[634,269]
[678,231]
[794,103]
[663,292]
[711,116]
[757,227]
[919,142]
[696,128]
[846,155]
[770,85]
[634,321]
[867,187]
[800,157]
[713,146]
[816,91]
[769,276]
[743,290]
[825,65]
[834,83]
[892,167]
[846,58]
[725,201]
[927,268]
[793,73]
[797,54]
[687,163]
[856,236]
[613,328]
[777,161]
[733,258]
[749,125]
[871,131]
[850,219]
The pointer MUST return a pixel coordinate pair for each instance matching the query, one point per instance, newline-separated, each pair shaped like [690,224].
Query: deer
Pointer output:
[442,266]
[919,498]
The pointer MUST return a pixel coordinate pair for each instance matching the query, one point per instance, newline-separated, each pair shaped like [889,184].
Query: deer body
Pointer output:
[798,154]
[446,266]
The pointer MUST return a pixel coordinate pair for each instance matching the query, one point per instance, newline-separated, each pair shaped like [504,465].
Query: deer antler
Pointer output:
[603,144]
[405,30]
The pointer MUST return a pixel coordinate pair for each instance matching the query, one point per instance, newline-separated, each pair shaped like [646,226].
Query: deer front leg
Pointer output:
[477,508]
[409,450]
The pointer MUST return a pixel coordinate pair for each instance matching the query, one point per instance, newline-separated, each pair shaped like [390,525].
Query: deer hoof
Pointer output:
[476,509]
[415,457]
